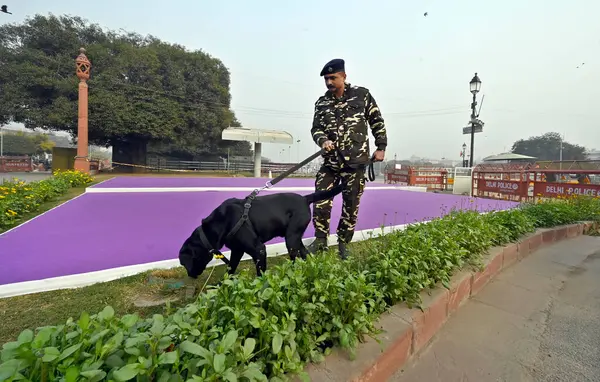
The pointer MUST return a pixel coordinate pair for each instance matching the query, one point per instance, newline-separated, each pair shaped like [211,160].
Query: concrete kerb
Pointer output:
[405,332]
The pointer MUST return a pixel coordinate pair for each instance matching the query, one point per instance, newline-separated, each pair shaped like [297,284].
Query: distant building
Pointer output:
[593,154]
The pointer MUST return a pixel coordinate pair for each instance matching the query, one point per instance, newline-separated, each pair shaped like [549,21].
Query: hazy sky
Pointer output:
[418,68]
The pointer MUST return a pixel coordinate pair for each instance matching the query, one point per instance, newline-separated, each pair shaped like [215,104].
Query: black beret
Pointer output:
[334,66]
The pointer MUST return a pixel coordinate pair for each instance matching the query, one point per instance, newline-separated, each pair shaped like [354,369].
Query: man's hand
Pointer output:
[379,156]
[327,145]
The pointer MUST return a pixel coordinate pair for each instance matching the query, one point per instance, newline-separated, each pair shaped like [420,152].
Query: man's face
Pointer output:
[335,81]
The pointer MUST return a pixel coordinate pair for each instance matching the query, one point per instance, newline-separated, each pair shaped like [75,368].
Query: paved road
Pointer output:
[26,176]
[538,321]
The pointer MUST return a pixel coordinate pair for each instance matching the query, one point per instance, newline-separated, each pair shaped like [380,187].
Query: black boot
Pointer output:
[342,250]
[320,244]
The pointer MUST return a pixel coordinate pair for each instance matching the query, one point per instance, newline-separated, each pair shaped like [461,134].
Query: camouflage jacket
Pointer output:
[344,121]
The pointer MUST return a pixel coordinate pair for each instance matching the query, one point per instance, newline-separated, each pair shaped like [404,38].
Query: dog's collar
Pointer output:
[211,250]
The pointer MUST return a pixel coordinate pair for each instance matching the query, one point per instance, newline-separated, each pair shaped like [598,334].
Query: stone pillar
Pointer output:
[257,158]
[83,66]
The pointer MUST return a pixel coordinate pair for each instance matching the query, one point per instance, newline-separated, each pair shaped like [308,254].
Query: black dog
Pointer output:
[276,215]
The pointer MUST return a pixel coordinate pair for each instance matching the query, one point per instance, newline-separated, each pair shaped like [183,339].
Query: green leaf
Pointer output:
[50,354]
[249,345]
[266,294]
[114,360]
[165,376]
[157,327]
[219,363]
[84,321]
[42,338]
[69,351]
[127,372]
[9,368]
[303,375]
[195,332]
[145,363]
[25,336]
[277,343]
[229,340]
[129,320]
[94,375]
[195,349]
[168,358]
[113,343]
[253,374]
[72,374]
[96,337]
[107,313]
[230,376]
[344,341]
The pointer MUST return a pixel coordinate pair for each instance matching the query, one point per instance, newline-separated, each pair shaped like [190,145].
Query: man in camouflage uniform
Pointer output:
[340,126]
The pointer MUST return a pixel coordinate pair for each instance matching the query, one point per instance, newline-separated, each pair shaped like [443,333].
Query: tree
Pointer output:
[141,90]
[547,147]
[21,143]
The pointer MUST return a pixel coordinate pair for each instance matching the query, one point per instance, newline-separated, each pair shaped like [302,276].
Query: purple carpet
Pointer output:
[107,230]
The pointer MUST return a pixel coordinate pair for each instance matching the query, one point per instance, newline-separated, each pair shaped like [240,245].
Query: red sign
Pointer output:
[552,190]
[8,164]
[500,186]
[429,179]
[397,178]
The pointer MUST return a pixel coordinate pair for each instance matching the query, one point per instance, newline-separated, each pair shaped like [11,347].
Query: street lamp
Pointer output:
[464,155]
[475,86]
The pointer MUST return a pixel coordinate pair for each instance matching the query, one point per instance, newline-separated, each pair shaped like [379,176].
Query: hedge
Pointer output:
[18,198]
[264,328]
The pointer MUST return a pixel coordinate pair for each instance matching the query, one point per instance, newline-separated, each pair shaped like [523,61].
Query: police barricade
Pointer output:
[16,164]
[552,183]
[400,177]
[434,178]
[431,177]
[523,183]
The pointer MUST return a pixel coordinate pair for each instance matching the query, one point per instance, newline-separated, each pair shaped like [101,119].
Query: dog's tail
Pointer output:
[323,195]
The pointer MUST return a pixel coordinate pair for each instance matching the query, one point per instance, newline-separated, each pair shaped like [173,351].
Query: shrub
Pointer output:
[550,213]
[260,328]
[18,198]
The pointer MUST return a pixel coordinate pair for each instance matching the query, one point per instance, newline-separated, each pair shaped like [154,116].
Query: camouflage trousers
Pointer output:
[353,181]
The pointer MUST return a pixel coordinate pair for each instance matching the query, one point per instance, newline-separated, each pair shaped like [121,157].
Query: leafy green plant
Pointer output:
[18,198]
[263,328]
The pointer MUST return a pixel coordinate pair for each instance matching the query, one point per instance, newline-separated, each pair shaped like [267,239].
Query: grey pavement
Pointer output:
[25,176]
[537,321]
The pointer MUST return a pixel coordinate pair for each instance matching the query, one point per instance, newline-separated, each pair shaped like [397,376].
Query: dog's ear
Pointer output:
[216,224]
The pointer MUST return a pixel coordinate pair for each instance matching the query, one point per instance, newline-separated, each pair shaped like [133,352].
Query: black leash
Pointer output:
[371,170]
[295,168]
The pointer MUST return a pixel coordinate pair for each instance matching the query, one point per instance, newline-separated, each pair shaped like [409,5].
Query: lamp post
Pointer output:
[475,86]
[464,155]
[83,67]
